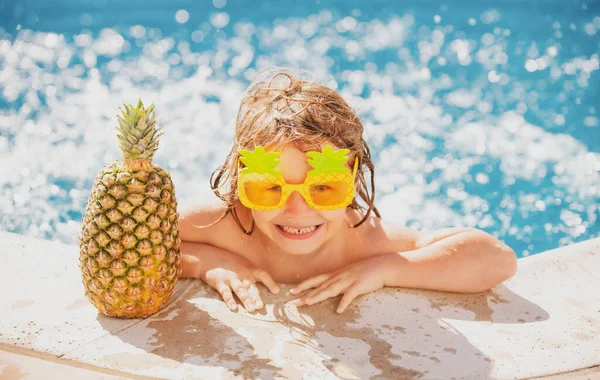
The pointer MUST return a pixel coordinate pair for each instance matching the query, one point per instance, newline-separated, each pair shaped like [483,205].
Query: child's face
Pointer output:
[307,228]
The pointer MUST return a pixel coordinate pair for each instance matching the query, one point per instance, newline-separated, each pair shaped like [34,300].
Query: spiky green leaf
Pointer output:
[138,131]
[328,161]
[259,161]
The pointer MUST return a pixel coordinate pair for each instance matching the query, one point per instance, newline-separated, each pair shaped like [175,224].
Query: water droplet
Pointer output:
[219,3]
[531,65]
[182,16]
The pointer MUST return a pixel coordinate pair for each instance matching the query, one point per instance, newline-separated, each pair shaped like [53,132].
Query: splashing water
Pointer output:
[477,116]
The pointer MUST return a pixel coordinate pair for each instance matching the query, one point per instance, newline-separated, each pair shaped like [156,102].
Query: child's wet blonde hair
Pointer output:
[286,109]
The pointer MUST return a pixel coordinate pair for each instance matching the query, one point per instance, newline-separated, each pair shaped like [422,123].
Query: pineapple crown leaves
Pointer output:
[138,134]
[259,161]
[328,161]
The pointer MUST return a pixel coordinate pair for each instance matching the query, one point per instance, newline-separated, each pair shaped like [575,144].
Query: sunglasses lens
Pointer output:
[328,193]
[262,193]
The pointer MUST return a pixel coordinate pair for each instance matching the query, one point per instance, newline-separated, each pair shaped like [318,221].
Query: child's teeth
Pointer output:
[299,231]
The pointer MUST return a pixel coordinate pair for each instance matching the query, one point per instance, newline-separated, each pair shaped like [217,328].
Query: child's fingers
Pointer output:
[310,283]
[348,297]
[327,283]
[264,277]
[255,296]
[311,293]
[242,292]
[225,292]
[318,289]
[332,291]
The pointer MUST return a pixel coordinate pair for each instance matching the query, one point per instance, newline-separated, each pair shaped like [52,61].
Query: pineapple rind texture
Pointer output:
[130,246]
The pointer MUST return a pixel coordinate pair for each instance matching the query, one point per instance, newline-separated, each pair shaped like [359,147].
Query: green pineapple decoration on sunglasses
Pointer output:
[260,162]
[328,161]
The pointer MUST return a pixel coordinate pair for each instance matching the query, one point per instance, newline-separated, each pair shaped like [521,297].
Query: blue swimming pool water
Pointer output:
[480,113]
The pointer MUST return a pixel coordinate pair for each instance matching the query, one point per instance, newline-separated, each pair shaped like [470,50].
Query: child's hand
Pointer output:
[233,273]
[358,278]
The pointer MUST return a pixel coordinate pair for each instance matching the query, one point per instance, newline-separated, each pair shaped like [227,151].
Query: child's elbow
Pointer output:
[507,261]
[502,267]
[511,265]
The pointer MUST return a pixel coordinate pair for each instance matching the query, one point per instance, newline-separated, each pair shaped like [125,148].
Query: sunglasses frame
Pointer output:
[302,188]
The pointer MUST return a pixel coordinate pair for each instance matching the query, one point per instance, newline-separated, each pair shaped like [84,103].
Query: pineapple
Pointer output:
[129,243]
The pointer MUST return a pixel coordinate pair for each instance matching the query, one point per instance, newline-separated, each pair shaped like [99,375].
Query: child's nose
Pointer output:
[296,205]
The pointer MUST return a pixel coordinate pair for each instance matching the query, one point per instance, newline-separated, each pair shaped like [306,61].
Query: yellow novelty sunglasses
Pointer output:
[329,186]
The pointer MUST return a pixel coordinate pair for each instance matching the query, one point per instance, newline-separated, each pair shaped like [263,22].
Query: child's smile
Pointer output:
[298,232]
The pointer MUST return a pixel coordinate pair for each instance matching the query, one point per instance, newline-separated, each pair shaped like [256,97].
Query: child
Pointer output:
[289,212]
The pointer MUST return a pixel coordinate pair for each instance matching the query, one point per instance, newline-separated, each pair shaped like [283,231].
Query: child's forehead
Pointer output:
[294,148]
[292,154]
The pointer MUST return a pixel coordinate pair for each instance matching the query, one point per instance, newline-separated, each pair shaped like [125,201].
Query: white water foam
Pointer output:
[53,145]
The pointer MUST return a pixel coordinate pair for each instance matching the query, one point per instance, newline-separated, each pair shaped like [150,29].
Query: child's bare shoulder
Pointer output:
[393,237]
[197,223]
[380,237]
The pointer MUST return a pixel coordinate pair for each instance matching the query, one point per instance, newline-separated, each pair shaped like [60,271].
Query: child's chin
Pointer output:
[299,252]
[298,248]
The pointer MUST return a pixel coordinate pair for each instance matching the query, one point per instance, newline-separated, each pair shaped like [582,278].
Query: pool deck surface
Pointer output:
[544,322]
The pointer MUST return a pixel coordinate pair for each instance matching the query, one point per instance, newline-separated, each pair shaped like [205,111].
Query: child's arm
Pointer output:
[463,260]
[208,254]
[455,259]
[226,272]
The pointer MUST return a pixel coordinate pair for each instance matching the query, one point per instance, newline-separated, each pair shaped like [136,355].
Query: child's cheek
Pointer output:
[264,216]
[333,216]
[264,219]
